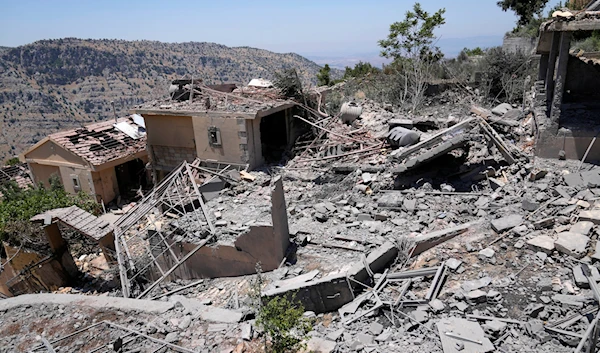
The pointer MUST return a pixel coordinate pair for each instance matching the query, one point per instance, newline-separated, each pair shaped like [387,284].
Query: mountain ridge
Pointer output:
[55,84]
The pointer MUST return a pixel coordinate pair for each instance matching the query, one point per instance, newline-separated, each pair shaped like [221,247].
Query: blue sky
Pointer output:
[308,27]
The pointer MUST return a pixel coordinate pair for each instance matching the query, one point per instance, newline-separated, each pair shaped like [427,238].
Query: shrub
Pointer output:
[281,320]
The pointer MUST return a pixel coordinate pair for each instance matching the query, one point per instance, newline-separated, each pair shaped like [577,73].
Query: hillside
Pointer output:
[52,85]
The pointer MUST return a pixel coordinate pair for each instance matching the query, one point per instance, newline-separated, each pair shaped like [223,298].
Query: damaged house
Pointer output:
[249,126]
[568,88]
[105,159]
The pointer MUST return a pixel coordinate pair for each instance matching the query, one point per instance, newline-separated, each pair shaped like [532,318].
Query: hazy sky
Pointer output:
[308,27]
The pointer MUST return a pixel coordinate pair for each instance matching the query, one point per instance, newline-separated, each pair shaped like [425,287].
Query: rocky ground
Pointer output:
[519,277]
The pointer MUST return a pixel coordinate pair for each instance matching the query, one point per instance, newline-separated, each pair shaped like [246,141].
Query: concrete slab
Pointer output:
[207,313]
[572,244]
[542,243]
[574,180]
[116,303]
[452,329]
[506,223]
[592,216]
[320,345]
[582,227]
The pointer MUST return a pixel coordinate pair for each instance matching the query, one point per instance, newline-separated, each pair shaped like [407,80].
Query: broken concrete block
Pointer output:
[542,243]
[172,337]
[592,216]
[476,284]
[364,217]
[572,244]
[494,327]
[486,253]
[320,345]
[494,297]
[582,227]
[529,205]
[335,335]
[502,109]
[591,178]
[544,223]
[533,310]
[505,223]
[419,316]
[437,305]
[476,296]
[537,174]
[185,322]
[364,338]
[390,199]
[573,300]
[385,336]
[375,328]
[574,180]
[453,264]
[246,331]
[410,205]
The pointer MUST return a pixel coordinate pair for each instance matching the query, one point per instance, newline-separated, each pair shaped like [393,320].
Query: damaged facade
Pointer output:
[246,127]
[104,159]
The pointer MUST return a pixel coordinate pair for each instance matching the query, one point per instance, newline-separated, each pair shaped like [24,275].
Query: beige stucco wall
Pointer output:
[166,130]
[105,185]
[234,142]
[51,152]
[85,180]
[42,173]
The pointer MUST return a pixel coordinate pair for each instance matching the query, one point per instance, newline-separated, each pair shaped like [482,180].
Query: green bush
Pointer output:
[284,324]
[19,205]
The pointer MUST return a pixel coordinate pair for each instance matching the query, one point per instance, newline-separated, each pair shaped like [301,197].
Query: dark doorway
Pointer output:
[130,176]
[273,136]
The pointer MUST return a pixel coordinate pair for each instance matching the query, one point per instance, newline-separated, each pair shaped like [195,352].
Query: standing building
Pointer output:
[105,159]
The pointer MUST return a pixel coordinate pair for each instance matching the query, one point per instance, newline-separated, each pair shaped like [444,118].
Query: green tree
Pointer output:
[360,69]
[414,37]
[526,10]
[411,44]
[324,76]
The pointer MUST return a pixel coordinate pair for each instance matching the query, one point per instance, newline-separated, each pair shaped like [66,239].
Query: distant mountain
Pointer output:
[52,85]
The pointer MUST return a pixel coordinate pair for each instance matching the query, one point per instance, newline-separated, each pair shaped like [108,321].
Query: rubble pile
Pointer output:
[457,242]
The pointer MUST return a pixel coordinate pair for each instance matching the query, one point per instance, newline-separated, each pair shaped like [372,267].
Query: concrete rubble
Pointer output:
[458,243]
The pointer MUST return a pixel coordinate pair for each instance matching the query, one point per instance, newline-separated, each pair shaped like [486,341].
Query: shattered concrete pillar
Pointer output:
[60,248]
[552,66]
[279,217]
[561,75]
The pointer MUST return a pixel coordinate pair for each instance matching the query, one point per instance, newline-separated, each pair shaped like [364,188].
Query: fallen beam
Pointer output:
[427,241]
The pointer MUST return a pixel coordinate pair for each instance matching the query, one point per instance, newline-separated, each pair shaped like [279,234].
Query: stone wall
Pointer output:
[168,158]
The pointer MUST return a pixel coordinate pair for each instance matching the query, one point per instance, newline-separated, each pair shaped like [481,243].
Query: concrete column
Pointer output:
[552,66]
[561,75]
[544,59]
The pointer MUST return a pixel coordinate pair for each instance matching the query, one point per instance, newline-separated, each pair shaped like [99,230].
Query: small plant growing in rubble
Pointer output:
[282,321]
